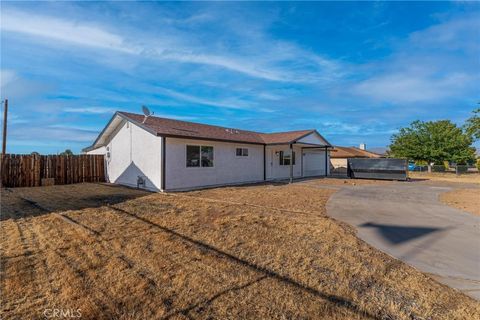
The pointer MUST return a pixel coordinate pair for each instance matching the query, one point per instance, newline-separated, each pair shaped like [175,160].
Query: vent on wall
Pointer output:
[140,182]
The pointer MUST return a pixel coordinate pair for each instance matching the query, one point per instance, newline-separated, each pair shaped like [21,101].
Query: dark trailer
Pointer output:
[384,169]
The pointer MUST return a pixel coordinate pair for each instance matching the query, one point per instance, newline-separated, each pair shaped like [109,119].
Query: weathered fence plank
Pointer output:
[18,170]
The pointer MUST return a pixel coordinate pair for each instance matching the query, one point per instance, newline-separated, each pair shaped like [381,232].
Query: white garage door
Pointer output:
[313,163]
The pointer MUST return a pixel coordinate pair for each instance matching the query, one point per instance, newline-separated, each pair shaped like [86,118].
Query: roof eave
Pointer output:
[93,146]
[124,116]
[209,139]
[89,148]
[307,134]
[140,124]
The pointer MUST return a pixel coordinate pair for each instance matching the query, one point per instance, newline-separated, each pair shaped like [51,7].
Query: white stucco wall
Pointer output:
[134,152]
[101,150]
[277,171]
[227,167]
[313,138]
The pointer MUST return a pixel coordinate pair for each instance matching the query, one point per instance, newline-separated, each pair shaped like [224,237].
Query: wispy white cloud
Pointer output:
[339,126]
[431,65]
[6,77]
[89,110]
[62,30]
[13,85]
[234,64]
[53,133]
[197,62]
[413,87]
[269,96]
[14,118]
[280,61]
[75,126]
[450,35]
[106,110]
[222,103]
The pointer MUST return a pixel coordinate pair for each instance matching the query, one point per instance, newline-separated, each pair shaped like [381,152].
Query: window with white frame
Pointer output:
[199,156]
[285,158]
[242,152]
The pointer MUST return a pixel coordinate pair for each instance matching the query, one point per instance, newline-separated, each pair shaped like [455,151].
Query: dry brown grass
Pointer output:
[464,199]
[255,252]
[471,177]
[344,181]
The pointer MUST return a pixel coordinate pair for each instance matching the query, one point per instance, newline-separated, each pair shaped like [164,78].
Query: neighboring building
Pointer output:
[166,155]
[339,156]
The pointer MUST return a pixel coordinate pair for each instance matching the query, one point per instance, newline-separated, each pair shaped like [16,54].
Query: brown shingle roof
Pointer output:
[177,128]
[185,129]
[284,137]
[351,152]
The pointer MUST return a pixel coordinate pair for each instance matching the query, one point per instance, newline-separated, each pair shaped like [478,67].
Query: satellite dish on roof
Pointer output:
[147,113]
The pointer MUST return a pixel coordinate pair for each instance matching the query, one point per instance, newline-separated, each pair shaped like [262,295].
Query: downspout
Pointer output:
[264,164]
[291,163]
[163,165]
[301,161]
[326,161]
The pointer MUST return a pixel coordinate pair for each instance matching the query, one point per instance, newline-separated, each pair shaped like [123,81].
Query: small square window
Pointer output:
[285,158]
[241,152]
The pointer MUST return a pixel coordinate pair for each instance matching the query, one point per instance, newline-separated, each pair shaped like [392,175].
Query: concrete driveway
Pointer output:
[406,220]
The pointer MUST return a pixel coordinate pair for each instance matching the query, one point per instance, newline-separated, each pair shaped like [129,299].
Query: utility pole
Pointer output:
[5,113]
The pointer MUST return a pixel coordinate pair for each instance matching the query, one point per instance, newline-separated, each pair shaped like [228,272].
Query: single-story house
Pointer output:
[340,155]
[163,154]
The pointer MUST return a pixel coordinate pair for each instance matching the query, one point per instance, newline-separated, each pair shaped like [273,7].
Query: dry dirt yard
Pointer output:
[464,199]
[257,252]
[471,177]
[465,194]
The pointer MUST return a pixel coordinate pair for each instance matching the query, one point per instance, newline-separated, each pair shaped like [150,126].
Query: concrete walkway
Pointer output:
[406,220]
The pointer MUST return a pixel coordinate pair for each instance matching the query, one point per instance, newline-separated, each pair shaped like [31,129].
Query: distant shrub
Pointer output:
[446,164]
[478,164]
[461,169]
[438,168]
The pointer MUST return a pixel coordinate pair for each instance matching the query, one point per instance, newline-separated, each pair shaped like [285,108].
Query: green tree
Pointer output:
[67,152]
[472,125]
[433,141]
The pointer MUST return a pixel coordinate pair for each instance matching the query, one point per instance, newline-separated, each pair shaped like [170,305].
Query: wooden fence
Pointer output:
[20,170]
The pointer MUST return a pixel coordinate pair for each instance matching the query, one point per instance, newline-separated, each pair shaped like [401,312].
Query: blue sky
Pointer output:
[354,71]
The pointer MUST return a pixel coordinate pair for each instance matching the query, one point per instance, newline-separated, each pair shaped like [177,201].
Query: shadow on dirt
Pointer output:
[19,203]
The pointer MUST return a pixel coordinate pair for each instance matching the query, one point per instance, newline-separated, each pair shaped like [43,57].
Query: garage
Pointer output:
[314,163]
